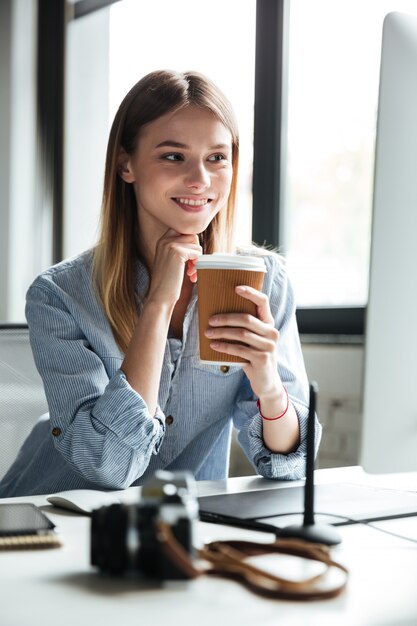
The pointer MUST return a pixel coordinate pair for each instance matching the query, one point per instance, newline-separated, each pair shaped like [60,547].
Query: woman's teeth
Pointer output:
[191,202]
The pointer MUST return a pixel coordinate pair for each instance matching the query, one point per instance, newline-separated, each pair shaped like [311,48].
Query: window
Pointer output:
[131,39]
[333,77]
[318,147]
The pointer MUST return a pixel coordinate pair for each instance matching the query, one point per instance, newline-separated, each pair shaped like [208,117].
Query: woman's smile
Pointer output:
[192,205]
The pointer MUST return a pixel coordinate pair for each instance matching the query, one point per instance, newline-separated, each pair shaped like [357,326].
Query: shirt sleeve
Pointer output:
[247,419]
[100,424]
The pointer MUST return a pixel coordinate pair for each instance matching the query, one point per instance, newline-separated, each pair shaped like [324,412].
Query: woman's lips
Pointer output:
[192,205]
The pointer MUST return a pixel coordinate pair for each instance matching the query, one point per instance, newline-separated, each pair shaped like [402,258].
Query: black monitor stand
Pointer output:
[309,530]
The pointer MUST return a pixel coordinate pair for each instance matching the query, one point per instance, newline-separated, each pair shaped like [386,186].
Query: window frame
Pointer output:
[271,68]
[50,80]
[268,218]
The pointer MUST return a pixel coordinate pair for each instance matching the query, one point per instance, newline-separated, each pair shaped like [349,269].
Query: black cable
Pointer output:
[252,524]
[365,523]
[389,532]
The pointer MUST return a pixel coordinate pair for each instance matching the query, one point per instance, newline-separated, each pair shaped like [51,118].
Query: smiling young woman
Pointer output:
[158,95]
[114,330]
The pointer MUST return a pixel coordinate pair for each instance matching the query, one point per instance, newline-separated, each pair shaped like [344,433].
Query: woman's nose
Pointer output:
[197,176]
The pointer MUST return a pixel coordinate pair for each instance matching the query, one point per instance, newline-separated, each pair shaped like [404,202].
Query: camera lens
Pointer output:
[109,527]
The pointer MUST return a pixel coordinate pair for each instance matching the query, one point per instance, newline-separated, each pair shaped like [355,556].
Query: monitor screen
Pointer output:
[389,431]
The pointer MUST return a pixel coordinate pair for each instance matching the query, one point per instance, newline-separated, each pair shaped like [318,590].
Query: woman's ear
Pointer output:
[124,168]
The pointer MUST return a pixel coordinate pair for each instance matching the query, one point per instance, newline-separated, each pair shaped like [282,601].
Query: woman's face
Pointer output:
[181,172]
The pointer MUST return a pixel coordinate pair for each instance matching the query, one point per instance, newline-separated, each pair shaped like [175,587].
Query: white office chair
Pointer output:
[22,399]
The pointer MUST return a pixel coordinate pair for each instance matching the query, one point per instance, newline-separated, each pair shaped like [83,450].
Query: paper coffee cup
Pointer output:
[218,275]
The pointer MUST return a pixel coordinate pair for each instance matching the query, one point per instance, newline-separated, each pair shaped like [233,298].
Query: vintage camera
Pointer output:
[125,538]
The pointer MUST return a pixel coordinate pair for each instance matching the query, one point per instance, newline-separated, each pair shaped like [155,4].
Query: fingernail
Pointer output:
[209,332]
[214,320]
[241,289]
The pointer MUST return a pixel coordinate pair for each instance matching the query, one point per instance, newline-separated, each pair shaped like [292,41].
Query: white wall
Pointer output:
[5,79]
[18,222]
[87,71]
[338,370]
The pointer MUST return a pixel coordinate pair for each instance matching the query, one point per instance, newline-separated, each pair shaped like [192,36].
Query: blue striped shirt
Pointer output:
[99,433]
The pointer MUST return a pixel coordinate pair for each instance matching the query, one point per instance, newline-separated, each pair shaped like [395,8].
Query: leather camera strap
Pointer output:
[229,559]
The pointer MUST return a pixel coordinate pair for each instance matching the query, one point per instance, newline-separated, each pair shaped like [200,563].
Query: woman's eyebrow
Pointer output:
[170,143]
[221,146]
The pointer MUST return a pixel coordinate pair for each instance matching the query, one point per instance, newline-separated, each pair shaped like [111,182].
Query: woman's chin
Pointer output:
[191,229]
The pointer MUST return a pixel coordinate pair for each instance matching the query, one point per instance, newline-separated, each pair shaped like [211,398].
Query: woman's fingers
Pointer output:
[266,341]
[241,320]
[257,332]
[192,270]
[250,337]
[174,246]
[175,253]
[173,241]
[260,299]
[245,352]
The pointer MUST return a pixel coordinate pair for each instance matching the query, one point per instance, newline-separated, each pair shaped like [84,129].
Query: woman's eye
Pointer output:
[217,157]
[174,156]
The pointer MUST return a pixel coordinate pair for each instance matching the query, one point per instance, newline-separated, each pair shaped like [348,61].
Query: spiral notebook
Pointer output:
[23,525]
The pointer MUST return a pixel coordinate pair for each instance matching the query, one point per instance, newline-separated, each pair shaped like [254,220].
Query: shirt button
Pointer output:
[224,369]
[169,420]
[56,431]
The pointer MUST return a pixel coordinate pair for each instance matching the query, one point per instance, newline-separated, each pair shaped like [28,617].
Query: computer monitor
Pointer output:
[389,430]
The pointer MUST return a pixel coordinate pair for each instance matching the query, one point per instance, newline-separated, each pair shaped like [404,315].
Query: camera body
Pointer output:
[125,537]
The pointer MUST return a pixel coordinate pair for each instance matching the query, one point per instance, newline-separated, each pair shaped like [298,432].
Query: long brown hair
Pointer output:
[116,254]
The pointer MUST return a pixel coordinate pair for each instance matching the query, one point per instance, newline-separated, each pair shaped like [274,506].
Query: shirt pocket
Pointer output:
[224,370]
[214,388]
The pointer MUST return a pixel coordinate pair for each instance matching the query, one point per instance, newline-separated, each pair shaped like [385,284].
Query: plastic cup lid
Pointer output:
[230,261]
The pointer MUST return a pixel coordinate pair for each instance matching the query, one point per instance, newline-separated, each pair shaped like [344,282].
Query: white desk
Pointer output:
[58,586]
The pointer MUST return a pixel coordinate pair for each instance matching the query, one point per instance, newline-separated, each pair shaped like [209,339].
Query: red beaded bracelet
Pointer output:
[258,403]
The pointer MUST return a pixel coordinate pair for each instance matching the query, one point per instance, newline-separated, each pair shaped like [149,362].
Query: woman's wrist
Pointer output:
[274,406]
[156,308]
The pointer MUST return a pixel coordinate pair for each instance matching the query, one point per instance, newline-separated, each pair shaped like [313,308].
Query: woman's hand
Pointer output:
[143,361]
[174,254]
[258,342]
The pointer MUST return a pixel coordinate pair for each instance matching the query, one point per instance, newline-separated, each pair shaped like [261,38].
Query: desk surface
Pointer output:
[60,587]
